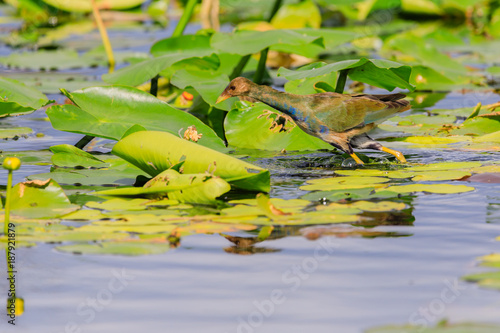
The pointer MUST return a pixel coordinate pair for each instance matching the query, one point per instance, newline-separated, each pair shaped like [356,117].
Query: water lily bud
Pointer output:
[11,163]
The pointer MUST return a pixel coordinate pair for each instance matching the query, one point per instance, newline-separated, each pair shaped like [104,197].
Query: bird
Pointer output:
[342,120]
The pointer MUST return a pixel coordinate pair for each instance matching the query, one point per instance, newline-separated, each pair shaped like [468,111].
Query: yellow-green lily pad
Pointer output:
[339,183]
[129,248]
[430,188]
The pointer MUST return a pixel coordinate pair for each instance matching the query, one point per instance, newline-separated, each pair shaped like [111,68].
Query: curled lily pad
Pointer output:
[142,150]
[193,188]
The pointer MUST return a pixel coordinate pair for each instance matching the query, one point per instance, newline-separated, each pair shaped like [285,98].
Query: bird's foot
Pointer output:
[401,158]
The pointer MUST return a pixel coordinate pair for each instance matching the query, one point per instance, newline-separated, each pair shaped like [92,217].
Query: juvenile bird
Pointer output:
[341,120]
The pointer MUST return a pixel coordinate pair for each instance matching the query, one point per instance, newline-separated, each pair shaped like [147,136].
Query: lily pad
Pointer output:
[339,183]
[430,188]
[193,188]
[249,42]
[378,72]
[14,132]
[69,156]
[85,6]
[110,111]
[142,150]
[40,199]
[258,126]
[130,248]
[16,98]
[440,328]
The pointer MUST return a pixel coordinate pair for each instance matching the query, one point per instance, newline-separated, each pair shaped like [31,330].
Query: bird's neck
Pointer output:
[282,101]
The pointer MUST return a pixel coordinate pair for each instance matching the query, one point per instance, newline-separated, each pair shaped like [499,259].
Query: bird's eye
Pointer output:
[232,87]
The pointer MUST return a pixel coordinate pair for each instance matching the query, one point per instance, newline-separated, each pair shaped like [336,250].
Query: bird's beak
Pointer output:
[222,97]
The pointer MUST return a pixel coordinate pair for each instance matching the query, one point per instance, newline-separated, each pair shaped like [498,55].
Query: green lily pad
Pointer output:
[249,42]
[339,183]
[301,15]
[486,280]
[256,126]
[206,84]
[193,188]
[168,52]
[51,60]
[16,98]
[142,150]
[84,6]
[440,175]
[13,132]
[115,175]
[110,111]
[51,82]
[440,328]
[351,193]
[40,199]
[69,156]
[129,248]
[443,166]
[429,188]
[378,72]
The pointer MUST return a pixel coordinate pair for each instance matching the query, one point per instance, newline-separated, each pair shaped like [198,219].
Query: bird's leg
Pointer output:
[363,141]
[340,141]
[396,153]
[356,158]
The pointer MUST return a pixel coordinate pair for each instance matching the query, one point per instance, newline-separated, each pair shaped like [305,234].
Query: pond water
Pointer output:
[329,284]
[287,283]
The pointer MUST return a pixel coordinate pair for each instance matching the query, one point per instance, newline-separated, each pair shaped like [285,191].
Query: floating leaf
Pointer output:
[193,188]
[249,42]
[301,15]
[110,111]
[339,183]
[14,132]
[142,150]
[440,175]
[85,6]
[378,72]
[69,156]
[117,248]
[446,166]
[16,98]
[440,328]
[429,188]
[258,126]
[168,52]
[40,199]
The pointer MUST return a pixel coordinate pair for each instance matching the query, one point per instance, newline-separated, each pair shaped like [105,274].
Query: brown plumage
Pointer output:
[342,120]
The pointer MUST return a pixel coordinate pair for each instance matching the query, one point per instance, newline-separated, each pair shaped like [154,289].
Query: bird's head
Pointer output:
[238,87]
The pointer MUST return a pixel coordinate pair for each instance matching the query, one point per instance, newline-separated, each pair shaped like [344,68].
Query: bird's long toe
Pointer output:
[396,153]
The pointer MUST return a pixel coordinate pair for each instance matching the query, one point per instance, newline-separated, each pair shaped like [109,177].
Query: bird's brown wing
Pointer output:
[341,112]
